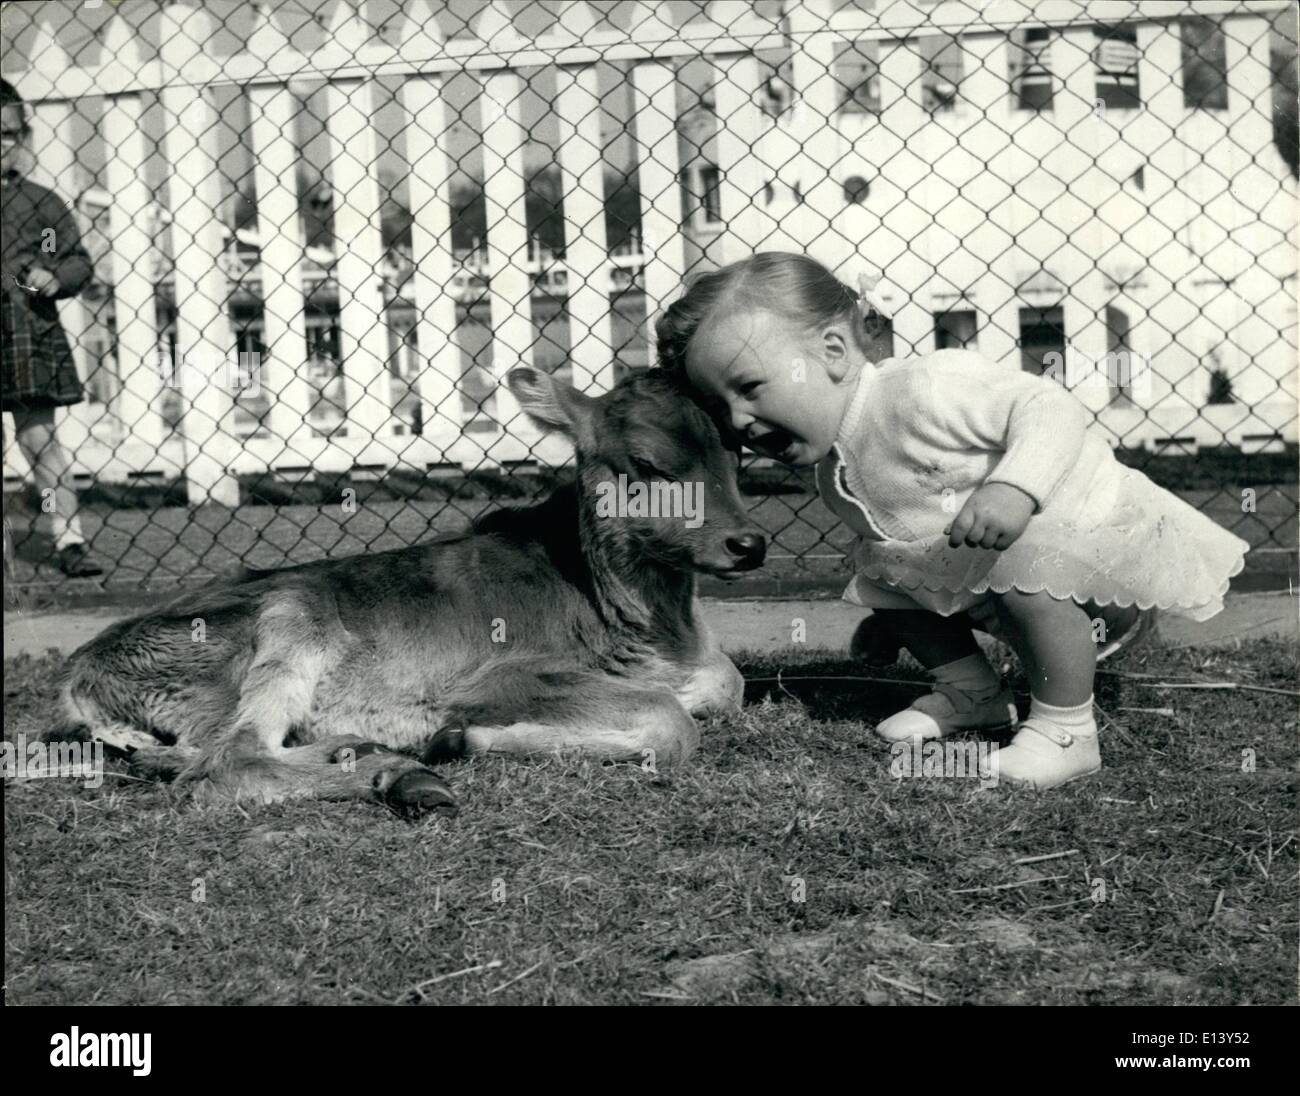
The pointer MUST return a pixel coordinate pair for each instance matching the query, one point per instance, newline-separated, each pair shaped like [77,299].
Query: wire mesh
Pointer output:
[299,243]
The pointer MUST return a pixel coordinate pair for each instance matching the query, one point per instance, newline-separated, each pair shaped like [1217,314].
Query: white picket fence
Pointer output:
[208,448]
[951,264]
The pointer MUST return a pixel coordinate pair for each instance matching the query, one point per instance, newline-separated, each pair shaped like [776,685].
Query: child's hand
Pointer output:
[41,280]
[993,517]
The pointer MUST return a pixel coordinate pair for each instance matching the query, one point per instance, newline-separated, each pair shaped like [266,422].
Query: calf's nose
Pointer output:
[750,548]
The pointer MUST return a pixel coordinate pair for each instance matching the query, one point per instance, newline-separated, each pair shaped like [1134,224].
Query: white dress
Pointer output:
[1125,542]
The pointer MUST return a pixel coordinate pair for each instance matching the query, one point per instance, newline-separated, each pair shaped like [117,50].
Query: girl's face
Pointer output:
[12,137]
[783,389]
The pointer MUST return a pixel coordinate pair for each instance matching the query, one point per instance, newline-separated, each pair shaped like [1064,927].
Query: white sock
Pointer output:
[1077,719]
[69,534]
[971,674]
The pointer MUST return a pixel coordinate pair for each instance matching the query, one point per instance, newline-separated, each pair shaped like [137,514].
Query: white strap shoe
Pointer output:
[948,710]
[1044,756]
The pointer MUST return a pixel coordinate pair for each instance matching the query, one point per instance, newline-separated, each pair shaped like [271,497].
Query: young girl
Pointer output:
[972,486]
[41,261]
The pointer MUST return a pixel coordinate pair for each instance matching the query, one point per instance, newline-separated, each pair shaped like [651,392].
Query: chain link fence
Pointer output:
[320,232]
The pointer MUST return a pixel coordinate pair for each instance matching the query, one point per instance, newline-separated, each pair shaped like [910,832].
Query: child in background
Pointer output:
[41,261]
[972,487]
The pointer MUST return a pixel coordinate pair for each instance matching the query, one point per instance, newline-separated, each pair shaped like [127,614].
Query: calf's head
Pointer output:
[653,475]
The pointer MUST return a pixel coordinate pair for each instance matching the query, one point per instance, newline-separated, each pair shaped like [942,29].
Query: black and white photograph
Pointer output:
[651,503]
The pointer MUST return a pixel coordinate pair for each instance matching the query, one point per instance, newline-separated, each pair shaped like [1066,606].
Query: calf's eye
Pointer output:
[647,470]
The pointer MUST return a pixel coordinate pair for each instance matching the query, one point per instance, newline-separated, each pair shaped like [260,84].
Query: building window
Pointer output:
[701,198]
[1042,332]
[775,96]
[1220,381]
[941,79]
[1119,355]
[856,189]
[1220,387]
[1031,68]
[1205,64]
[954,330]
[857,70]
[1115,58]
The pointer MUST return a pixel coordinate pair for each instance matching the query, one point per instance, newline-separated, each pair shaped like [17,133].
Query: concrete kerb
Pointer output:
[757,624]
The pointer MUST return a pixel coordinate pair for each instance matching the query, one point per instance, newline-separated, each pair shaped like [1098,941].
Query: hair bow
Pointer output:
[870,295]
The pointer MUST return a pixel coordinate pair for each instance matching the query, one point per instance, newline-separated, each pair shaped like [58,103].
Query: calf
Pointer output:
[570,625]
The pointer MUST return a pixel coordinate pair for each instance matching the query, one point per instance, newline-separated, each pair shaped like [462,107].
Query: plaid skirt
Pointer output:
[36,365]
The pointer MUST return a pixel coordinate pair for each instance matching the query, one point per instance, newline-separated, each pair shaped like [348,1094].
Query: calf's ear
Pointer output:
[553,404]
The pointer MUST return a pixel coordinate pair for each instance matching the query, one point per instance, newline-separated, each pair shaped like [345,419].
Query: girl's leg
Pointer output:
[52,471]
[1058,742]
[931,639]
[1054,641]
[968,693]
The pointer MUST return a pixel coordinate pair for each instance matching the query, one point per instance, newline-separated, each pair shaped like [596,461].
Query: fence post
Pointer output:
[1168,311]
[1078,211]
[203,336]
[510,284]
[1250,309]
[740,122]
[280,236]
[655,111]
[359,256]
[913,271]
[816,102]
[133,290]
[984,87]
[431,252]
[591,334]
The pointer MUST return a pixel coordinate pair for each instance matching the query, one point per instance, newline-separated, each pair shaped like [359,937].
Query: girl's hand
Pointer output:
[41,280]
[993,517]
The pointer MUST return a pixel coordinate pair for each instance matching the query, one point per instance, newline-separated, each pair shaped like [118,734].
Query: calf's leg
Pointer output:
[531,712]
[295,642]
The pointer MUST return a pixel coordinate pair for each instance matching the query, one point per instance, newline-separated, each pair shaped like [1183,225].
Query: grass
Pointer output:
[571,882]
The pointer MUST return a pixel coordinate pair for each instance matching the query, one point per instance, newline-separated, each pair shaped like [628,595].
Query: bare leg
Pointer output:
[1058,742]
[51,470]
[1054,641]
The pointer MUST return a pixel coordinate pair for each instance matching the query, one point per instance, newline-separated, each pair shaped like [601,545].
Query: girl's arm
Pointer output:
[68,263]
[1037,424]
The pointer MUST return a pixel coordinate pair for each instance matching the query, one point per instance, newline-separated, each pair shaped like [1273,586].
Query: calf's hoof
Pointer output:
[447,745]
[416,792]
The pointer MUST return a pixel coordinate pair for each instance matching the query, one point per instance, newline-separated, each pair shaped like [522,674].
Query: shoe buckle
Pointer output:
[1053,734]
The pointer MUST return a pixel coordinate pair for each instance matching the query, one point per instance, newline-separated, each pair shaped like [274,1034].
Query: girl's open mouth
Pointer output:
[775,443]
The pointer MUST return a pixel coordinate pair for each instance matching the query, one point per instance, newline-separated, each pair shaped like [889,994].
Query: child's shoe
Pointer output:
[1052,747]
[948,710]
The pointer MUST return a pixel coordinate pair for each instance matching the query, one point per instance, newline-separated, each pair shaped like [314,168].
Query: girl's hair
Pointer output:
[9,97]
[795,286]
